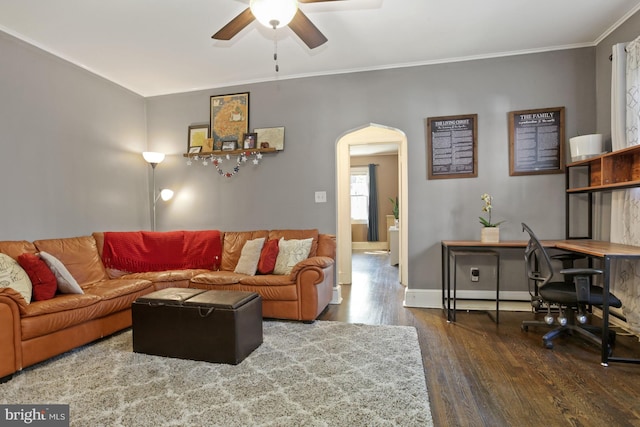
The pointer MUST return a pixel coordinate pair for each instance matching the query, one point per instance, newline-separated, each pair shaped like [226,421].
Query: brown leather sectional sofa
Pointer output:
[31,333]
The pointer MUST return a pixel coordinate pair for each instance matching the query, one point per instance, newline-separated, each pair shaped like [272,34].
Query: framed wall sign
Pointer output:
[452,149]
[197,137]
[229,118]
[536,141]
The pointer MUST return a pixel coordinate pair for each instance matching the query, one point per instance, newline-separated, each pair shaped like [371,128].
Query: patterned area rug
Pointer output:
[321,374]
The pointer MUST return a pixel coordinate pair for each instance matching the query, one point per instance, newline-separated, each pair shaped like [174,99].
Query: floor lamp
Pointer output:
[153,158]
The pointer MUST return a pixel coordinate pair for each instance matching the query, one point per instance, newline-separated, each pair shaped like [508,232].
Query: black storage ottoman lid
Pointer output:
[221,299]
[170,296]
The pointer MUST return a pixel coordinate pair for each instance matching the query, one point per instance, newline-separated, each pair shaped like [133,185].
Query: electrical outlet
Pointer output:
[475,274]
[321,197]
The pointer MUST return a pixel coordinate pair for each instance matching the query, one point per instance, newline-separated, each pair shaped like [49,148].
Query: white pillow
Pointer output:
[291,252]
[66,283]
[13,276]
[249,257]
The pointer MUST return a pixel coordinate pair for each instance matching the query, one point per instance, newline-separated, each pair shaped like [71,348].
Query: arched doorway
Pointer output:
[368,134]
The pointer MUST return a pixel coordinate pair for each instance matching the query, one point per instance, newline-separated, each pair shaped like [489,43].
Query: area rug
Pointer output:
[320,374]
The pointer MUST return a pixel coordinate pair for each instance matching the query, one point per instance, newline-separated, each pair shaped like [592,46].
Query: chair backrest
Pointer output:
[537,261]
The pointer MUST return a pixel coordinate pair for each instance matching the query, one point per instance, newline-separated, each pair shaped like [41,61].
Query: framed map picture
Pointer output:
[198,135]
[229,118]
[270,138]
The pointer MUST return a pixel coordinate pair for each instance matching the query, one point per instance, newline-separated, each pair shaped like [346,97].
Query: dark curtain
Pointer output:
[372,234]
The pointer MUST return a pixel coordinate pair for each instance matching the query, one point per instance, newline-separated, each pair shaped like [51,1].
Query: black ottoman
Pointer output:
[214,326]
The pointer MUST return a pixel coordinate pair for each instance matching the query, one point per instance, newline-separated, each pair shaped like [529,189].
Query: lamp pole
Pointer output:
[153,195]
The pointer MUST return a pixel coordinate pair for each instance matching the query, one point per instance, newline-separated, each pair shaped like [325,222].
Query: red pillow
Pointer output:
[268,257]
[42,278]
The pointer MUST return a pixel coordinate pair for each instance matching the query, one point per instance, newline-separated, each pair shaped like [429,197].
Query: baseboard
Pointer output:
[337,295]
[469,300]
[372,246]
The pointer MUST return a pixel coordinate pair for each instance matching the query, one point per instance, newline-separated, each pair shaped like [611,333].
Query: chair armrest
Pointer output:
[582,282]
[580,271]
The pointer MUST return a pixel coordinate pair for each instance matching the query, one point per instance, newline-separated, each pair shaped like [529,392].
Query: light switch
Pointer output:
[321,196]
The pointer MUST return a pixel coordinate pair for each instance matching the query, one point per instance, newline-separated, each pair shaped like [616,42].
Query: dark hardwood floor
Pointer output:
[482,374]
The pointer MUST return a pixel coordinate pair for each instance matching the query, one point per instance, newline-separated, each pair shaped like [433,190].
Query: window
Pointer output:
[360,195]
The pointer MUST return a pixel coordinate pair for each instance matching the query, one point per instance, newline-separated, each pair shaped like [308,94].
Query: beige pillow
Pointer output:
[13,276]
[249,257]
[66,283]
[291,252]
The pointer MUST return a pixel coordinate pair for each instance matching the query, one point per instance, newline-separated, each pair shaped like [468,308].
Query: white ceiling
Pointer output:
[155,47]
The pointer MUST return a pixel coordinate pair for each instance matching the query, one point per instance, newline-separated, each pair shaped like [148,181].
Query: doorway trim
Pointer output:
[367,134]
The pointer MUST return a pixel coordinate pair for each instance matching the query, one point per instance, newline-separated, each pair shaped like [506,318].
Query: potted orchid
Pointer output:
[490,232]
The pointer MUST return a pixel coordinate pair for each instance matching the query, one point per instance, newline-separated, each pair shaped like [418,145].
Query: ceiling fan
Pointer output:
[275,14]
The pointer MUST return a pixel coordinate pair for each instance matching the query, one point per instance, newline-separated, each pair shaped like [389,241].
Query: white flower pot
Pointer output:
[490,235]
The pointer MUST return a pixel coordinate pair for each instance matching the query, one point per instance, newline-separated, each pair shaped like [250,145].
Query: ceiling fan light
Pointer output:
[274,13]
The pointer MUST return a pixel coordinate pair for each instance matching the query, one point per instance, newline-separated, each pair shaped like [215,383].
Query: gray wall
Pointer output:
[317,111]
[70,146]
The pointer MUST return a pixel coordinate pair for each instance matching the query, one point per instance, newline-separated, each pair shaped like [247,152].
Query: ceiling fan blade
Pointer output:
[308,33]
[235,25]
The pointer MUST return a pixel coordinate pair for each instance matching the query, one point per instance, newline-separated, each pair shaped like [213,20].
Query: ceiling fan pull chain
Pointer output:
[275,48]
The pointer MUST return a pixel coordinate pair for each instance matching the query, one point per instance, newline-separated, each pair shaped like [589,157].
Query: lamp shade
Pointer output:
[166,194]
[153,157]
[274,13]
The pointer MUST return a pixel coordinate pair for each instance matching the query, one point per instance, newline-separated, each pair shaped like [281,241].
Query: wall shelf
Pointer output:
[610,171]
[617,170]
[230,152]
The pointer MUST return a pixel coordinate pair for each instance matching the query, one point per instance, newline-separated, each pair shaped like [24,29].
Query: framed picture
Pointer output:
[270,138]
[195,150]
[249,141]
[452,146]
[536,141]
[229,117]
[197,137]
[228,145]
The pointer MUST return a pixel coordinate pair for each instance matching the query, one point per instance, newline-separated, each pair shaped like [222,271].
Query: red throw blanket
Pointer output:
[140,251]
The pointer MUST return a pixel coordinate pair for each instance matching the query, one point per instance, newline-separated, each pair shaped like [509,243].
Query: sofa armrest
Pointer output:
[11,304]
[316,261]
[16,297]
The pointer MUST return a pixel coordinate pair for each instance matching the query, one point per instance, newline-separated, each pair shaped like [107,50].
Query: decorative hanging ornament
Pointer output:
[242,158]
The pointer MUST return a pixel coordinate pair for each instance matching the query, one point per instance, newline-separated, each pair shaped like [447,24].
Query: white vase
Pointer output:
[490,235]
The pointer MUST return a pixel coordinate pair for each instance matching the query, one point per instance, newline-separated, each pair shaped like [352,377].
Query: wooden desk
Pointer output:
[606,251]
[449,248]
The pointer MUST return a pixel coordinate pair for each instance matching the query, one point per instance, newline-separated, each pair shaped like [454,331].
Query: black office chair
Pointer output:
[570,297]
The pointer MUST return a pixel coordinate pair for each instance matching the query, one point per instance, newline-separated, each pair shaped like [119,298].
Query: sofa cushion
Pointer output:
[218,278]
[15,248]
[79,255]
[298,235]
[291,252]
[44,317]
[42,278]
[13,276]
[232,246]
[66,283]
[268,257]
[67,302]
[249,257]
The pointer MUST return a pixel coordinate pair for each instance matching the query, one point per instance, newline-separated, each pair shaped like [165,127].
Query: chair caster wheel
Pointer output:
[525,328]
[547,344]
